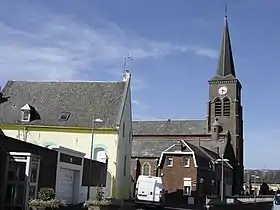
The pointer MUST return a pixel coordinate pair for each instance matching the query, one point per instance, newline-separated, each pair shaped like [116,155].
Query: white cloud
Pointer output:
[41,45]
[135,102]
[57,47]
[201,51]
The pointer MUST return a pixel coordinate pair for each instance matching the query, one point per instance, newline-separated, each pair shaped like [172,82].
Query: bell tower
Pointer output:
[225,105]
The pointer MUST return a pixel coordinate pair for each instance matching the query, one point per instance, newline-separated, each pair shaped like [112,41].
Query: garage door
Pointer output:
[65,185]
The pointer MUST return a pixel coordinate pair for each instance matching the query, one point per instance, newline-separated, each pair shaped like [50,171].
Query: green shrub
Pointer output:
[99,193]
[46,199]
[46,194]
[99,200]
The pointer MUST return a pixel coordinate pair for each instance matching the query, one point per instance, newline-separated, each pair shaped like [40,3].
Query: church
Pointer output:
[219,135]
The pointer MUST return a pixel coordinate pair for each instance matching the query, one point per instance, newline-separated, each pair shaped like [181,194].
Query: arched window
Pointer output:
[146,169]
[226,107]
[97,152]
[218,107]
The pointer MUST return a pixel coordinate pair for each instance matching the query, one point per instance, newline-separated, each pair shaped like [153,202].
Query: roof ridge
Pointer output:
[175,120]
[66,81]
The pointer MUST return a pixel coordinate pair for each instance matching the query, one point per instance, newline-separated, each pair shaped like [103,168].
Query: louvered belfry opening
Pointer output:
[226,107]
[218,107]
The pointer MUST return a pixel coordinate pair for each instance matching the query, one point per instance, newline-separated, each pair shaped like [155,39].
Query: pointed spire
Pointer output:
[225,63]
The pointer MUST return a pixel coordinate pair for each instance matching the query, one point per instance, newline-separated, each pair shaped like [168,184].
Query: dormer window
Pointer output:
[26,113]
[64,116]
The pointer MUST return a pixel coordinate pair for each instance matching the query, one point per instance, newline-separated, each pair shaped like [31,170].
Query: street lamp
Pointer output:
[222,160]
[94,120]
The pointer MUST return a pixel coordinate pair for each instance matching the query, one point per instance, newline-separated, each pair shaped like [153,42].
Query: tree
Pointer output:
[264,189]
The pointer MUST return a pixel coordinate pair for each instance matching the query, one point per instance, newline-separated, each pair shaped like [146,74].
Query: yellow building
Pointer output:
[69,114]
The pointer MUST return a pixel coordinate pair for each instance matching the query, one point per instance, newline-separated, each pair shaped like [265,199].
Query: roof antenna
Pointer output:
[125,61]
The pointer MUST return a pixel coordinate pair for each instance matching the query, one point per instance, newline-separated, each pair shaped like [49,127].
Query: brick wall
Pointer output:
[136,166]
[209,185]
[173,177]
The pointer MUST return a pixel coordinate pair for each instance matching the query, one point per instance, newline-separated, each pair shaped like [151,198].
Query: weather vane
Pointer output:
[125,61]
[226,10]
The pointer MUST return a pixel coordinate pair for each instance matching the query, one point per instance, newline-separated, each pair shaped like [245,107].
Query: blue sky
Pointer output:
[174,45]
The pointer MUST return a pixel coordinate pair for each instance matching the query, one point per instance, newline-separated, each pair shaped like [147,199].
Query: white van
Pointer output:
[276,202]
[149,191]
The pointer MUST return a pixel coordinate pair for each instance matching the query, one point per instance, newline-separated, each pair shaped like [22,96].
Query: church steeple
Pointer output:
[225,104]
[225,62]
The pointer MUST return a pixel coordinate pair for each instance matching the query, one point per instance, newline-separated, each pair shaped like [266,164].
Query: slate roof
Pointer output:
[202,159]
[197,151]
[210,145]
[226,64]
[178,147]
[50,99]
[172,127]
[150,148]
[214,156]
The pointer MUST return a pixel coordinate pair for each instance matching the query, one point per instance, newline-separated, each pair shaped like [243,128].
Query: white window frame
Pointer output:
[27,113]
[210,165]
[96,150]
[187,182]
[188,162]
[169,159]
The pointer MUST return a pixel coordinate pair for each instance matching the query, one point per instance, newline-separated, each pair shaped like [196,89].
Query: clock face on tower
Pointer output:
[222,90]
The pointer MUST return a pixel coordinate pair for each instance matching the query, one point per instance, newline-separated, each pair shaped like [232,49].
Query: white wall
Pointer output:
[123,180]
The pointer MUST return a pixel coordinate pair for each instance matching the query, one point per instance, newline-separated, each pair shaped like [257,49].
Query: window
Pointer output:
[187,186]
[64,116]
[169,161]
[215,129]
[210,165]
[25,115]
[226,107]
[124,168]
[218,107]
[146,169]
[98,152]
[186,162]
